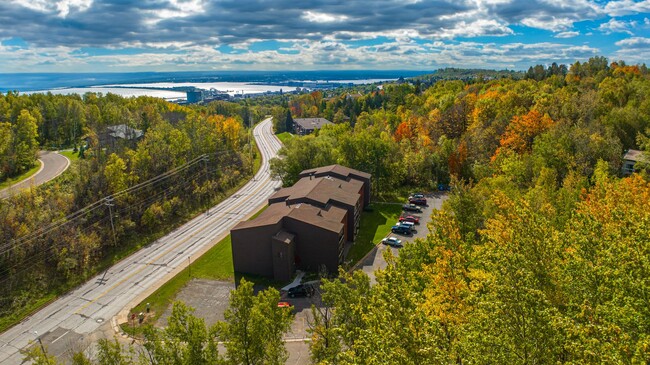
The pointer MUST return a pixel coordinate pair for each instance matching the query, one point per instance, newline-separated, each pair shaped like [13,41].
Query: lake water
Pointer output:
[161,89]
[125,92]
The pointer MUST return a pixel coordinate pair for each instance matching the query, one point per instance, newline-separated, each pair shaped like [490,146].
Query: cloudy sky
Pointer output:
[184,35]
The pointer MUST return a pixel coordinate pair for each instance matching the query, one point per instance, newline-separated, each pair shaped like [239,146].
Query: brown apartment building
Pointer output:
[305,226]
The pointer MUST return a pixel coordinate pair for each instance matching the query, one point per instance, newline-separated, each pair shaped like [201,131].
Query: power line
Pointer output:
[79,213]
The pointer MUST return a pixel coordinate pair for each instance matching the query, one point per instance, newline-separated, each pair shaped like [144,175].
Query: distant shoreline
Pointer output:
[29,82]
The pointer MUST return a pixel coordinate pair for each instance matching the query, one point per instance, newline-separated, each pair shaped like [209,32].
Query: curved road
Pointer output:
[53,164]
[80,317]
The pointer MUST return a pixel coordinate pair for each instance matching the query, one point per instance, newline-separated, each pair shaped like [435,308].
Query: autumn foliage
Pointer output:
[522,130]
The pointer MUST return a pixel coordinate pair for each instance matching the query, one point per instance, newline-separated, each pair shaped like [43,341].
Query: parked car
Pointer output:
[418,201]
[410,218]
[411,208]
[410,225]
[444,187]
[392,241]
[416,195]
[402,229]
[284,305]
[302,290]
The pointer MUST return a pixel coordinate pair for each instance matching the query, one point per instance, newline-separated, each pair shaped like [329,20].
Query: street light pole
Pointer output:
[40,342]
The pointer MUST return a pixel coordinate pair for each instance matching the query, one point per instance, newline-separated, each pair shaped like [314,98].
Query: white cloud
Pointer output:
[61,7]
[634,42]
[626,7]
[633,50]
[476,28]
[548,23]
[569,34]
[617,26]
[175,9]
[317,17]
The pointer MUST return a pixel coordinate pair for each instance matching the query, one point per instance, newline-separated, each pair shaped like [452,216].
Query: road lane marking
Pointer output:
[159,256]
[58,338]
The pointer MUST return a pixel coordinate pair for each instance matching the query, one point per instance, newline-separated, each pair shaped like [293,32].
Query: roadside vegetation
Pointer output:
[70,154]
[23,176]
[58,235]
[284,136]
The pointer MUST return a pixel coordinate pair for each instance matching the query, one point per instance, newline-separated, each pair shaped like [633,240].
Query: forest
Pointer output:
[120,194]
[540,255]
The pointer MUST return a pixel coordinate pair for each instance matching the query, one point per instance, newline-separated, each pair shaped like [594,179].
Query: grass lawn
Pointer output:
[374,226]
[72,156]
[215,264]
[24,176]
[284,136]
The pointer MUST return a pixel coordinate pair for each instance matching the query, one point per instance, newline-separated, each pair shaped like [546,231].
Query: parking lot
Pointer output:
[375,258]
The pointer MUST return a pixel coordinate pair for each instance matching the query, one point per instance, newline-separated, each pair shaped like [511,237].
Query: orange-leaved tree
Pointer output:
[522,130]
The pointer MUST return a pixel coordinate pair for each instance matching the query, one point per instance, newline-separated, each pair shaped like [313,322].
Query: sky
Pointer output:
[215,35]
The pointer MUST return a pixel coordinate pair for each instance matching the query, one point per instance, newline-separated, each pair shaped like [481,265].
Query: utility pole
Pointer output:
[205,169]
[250,143]
[109,203]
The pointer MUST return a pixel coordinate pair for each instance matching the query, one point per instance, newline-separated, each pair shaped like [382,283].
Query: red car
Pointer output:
[284,305]
[410,218]
[418,201]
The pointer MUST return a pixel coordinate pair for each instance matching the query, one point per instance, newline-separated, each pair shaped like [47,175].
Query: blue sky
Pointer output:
[193,35]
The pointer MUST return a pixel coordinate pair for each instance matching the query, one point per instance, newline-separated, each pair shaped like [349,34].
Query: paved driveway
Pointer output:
[53,164]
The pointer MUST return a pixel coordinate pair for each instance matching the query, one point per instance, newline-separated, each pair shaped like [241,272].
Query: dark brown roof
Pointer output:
[337,169]
[323,190]
[329,218]
[311,123]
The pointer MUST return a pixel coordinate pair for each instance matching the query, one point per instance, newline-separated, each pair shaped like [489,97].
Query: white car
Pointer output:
[411,225]
[392,241]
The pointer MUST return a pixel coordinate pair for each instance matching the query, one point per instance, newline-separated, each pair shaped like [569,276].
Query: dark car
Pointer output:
[411,208]
[418,201]
[401,229]
[302,290]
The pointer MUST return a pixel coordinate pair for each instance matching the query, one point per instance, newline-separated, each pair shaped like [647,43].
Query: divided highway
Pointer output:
[76,319]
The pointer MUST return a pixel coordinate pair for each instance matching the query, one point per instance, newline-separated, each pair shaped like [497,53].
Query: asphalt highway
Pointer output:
[74,319]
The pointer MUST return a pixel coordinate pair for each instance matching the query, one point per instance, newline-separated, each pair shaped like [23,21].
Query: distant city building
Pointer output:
[630,159]
[304,126]
[306,226]
[194,96]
